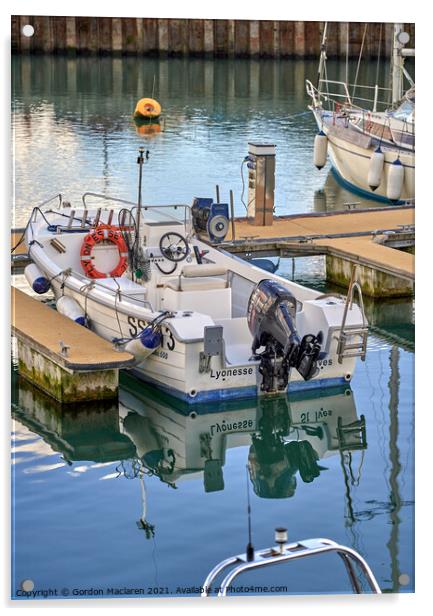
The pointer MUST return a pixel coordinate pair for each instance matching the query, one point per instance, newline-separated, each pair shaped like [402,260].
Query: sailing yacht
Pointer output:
[372,151]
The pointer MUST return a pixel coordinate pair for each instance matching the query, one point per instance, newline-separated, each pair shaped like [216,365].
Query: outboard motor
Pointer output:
[271,320]
[210,218]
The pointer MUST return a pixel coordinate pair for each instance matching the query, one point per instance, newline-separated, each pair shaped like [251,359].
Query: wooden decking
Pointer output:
[350,235]
[365,251]
[44,329]
[328,224]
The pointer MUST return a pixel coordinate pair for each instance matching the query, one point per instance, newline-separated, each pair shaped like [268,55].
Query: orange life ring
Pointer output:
[103,233]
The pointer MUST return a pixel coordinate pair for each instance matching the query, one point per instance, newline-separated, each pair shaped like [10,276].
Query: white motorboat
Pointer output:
[201,324]
[372,151]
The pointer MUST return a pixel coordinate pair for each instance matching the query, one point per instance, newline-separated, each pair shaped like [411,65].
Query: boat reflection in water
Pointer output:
[151,434]
[333,197]
[286,437]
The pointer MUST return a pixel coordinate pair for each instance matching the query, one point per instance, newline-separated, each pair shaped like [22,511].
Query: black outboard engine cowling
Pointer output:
[272,322]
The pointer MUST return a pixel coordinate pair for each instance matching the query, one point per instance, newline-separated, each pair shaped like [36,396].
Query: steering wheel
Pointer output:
[173,246]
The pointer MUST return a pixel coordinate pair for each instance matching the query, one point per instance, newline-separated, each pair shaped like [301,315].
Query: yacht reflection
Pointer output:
[334,197]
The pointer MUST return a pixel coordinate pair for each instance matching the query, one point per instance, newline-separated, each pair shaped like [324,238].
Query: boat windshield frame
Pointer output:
[163,214]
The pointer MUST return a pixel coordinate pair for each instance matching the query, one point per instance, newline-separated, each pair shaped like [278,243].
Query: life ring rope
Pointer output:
[103,233]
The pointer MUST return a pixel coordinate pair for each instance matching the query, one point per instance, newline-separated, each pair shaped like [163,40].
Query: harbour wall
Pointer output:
[200,37]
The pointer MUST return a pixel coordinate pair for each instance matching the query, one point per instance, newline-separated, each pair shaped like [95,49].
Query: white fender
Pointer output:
[320,149]
[36,279]
[138,350]
[375,170]
[70,308]
[395,180]
[143,346]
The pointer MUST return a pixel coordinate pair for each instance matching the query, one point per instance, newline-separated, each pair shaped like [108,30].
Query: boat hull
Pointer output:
[118,309]
[351,163]
[174,367]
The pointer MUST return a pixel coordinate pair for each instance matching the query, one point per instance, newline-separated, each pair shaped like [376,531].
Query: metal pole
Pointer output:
[322,56]
[376,93]
[217,188]
[71,218]
[232,214]
[140,161]
[397,63]
[97,217]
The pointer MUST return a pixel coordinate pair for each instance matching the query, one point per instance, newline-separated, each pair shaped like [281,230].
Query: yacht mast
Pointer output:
[322,56]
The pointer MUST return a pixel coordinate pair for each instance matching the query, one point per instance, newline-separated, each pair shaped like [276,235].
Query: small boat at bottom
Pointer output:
[284,552]
[202,324]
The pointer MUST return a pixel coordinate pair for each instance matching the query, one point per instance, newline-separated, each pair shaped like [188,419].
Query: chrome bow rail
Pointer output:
[287,552]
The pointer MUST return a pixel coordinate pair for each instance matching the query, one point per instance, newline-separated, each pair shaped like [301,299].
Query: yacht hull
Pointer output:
[351,163]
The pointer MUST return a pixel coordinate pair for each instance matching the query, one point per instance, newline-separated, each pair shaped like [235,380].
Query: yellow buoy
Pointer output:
[147,108]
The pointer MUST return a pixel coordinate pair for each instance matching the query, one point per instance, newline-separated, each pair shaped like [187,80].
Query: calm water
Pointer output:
[139,494]
[74,131]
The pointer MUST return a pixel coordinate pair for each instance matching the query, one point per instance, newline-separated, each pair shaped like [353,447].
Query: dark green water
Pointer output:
[84,477]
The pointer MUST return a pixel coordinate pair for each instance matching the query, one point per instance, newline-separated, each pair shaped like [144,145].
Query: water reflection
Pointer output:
[332,196]
[289,440]
[84,432]
[148,127]
[302,453]
[78,113]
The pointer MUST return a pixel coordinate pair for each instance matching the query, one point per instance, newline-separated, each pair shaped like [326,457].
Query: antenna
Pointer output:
[137,251]
[250,547]
[140,161]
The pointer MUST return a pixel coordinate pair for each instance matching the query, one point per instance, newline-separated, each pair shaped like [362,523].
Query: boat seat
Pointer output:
[203,269]
[187,294]
[196,284]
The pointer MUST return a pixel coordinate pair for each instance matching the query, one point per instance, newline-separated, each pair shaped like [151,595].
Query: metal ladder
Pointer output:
[346,347]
